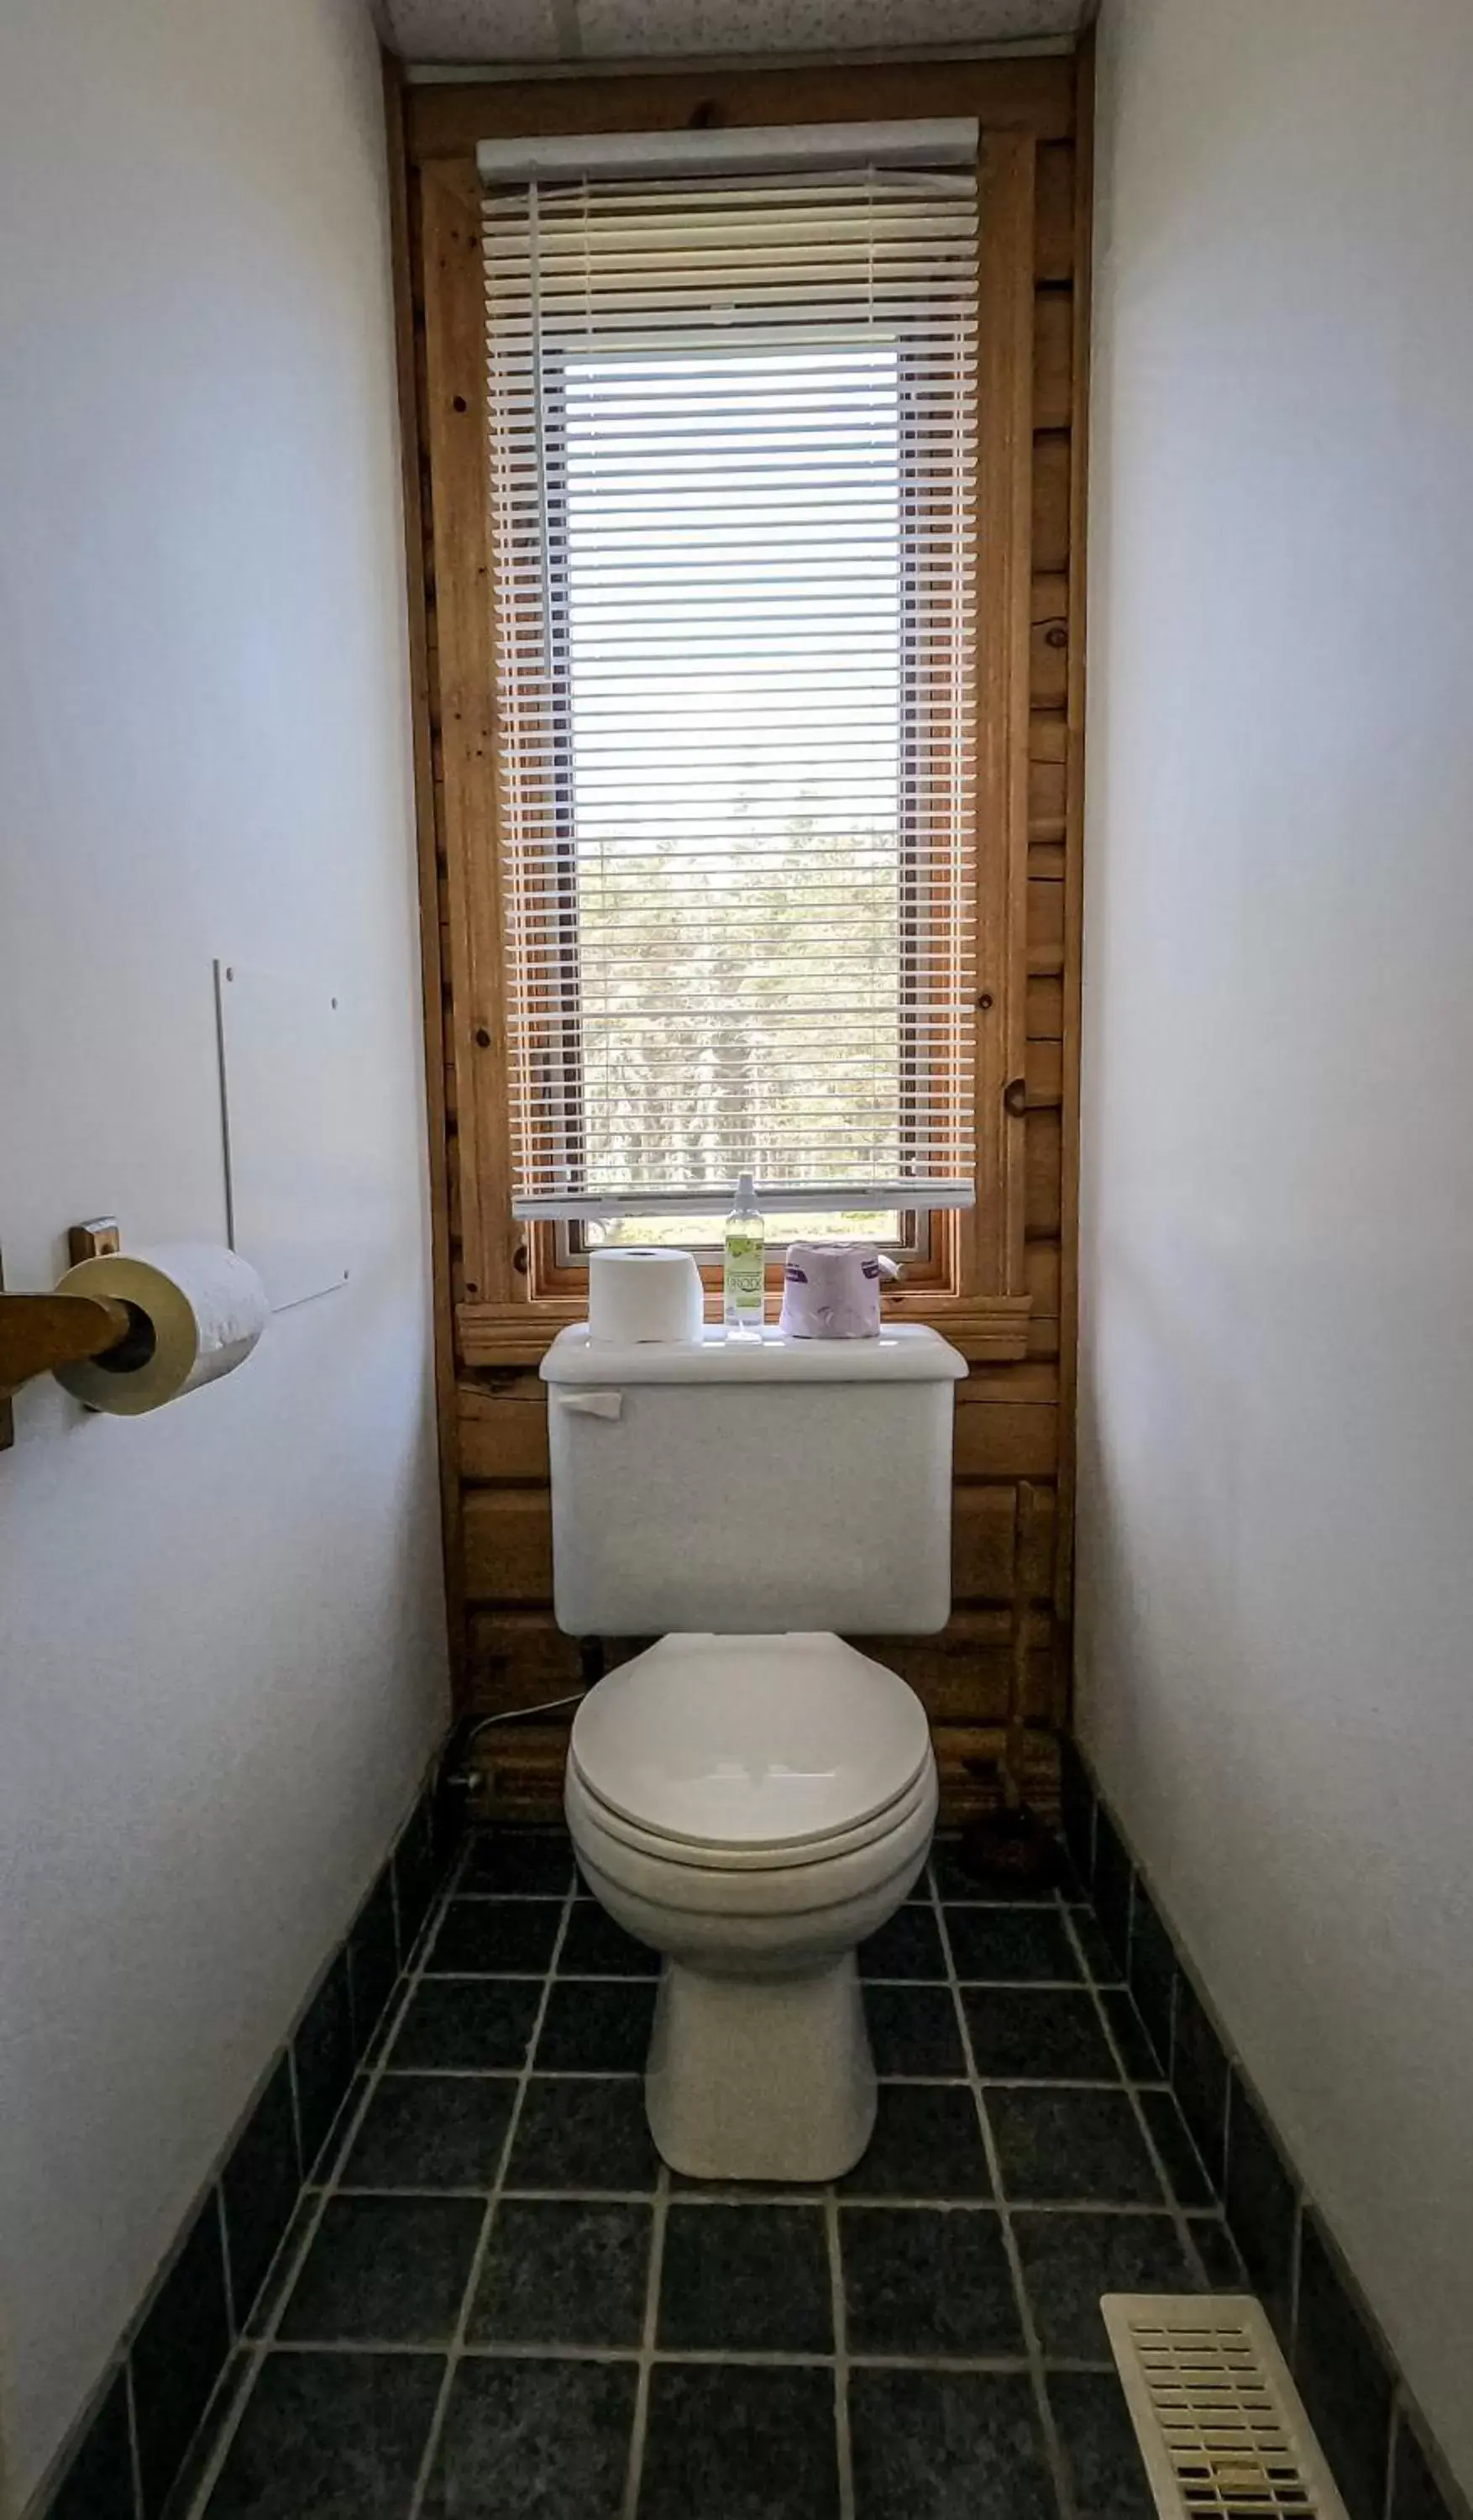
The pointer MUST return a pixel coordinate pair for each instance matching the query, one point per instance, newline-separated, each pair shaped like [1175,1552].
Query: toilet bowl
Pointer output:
[753,1808]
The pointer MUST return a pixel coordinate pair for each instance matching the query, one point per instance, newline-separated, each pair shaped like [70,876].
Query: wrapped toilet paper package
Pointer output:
[831,1290]
[196,1313]
[643,1294]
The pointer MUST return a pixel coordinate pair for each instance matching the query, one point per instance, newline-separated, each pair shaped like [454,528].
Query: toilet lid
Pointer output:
[749,1741]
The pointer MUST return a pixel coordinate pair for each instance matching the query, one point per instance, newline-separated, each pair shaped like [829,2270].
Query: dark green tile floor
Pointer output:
[500,2305]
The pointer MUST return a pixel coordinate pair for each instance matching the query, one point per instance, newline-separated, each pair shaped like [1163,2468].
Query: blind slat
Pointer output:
[732,497]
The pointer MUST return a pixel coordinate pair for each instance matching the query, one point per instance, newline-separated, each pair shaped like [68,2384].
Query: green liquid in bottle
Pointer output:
[744,1262]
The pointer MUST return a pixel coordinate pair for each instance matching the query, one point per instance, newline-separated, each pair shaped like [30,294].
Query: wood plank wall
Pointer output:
[999,1675]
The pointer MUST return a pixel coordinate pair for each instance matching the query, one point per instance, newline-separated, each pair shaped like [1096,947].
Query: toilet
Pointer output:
[753,1796]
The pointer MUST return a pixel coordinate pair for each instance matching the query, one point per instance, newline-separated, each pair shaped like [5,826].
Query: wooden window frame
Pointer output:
[512,1296]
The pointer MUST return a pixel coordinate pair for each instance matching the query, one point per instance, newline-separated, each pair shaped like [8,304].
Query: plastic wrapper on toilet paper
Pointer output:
[831,1290]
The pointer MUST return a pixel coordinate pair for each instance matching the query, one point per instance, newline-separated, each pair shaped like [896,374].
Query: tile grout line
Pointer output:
[759,2357]
[875,1977]
[339,2136]
[1184,2238]
[484,2241]
[844,2443]
[1393,2428]
[1044,1904]
[1220,2172]
[1053,2457]
[257,2348]
[396,1918]
[634,2473]
[726,2200]
[294,2094]
[930,1986]
[135,2457]
[232,2311]
[509,2073]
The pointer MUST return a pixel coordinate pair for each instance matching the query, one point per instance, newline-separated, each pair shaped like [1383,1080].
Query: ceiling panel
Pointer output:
[475,31]
[704,30]
[537,31]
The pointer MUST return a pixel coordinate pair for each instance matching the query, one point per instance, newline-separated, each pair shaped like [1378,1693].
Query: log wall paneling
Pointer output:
[1048,648]
[996,1679]
[1046,927]
[1053,358]
[1051,499]
[504,1431]
[438,1072]
[1043,1072]
[1073,876]
[1055,213]
[984,1541]
[509,1544]
[1046,1010]
[1033,96]
[1044,1209]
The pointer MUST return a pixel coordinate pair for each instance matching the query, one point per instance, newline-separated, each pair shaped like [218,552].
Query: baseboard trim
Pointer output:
[1386,2463]
[129,2454]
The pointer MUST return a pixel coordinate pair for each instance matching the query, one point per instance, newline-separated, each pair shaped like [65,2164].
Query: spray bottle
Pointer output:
[742,1264]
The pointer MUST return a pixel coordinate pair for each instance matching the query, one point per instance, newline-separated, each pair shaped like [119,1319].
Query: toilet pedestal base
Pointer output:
[768,2079]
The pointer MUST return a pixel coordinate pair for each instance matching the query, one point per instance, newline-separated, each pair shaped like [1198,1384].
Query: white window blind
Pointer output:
[733,484]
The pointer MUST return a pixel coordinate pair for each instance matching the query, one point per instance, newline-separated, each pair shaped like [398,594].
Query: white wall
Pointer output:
[1276,1676]
[223,1658]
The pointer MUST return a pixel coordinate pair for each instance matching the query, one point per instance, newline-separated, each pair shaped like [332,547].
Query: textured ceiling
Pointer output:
[493,31]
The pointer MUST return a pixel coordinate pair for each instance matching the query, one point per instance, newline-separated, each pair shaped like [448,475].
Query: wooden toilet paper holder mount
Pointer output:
[38,1332]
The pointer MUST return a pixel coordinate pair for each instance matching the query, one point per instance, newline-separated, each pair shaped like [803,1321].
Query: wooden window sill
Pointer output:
[988,1329]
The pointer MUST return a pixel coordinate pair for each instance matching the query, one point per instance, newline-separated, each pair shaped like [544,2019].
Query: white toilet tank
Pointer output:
[752,1488]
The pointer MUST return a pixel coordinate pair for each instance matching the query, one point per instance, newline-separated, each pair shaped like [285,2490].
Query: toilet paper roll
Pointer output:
[197,1310]
[643,1294]
[831,1290]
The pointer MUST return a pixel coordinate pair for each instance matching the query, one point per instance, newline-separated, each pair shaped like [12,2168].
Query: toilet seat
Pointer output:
[771,1895]
[749,1753]
[586,1810]
[755,1809]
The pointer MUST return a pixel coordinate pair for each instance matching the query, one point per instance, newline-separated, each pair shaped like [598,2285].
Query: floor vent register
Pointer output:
[1220,2426]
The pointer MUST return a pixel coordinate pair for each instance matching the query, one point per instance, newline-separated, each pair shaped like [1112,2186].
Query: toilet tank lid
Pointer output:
[904,1352]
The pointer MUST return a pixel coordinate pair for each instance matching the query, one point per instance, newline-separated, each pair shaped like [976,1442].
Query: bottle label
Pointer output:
[742,1275]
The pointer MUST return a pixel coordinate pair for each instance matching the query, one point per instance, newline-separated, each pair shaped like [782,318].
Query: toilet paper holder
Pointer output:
[39,1332]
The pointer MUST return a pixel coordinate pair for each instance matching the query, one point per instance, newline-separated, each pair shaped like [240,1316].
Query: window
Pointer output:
[903,1233]
[731,484]
[736,497]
